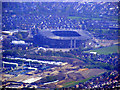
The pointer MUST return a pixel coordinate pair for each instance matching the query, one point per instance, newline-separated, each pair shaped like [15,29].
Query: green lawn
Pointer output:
[72,83]
[106,50]
[112,18]
[85,18]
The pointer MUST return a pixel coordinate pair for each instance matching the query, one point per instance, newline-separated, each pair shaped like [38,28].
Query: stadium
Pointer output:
[61,38]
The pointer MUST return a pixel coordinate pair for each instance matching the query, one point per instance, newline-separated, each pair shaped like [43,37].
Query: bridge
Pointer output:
[38,61]
[9,63]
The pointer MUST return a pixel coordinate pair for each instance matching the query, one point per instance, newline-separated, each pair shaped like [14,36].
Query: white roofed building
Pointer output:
[18,42]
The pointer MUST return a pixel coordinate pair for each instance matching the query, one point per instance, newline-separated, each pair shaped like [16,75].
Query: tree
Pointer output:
[6,43]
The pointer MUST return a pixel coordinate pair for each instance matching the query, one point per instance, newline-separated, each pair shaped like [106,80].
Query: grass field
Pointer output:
[72,83]
[85,18]
[106,50]
[112,18]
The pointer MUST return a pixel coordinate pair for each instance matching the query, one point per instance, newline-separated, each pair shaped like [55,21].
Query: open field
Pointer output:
[84,18]
[72,83]
[112,18]
[106,50]
[87,74]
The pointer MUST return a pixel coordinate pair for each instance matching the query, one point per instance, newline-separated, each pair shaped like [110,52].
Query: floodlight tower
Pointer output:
[30,34]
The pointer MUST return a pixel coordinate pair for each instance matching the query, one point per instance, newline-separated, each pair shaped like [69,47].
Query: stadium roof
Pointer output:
[66,34]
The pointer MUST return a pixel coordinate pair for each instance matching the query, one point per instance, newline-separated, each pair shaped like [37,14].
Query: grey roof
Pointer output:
[84,35]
